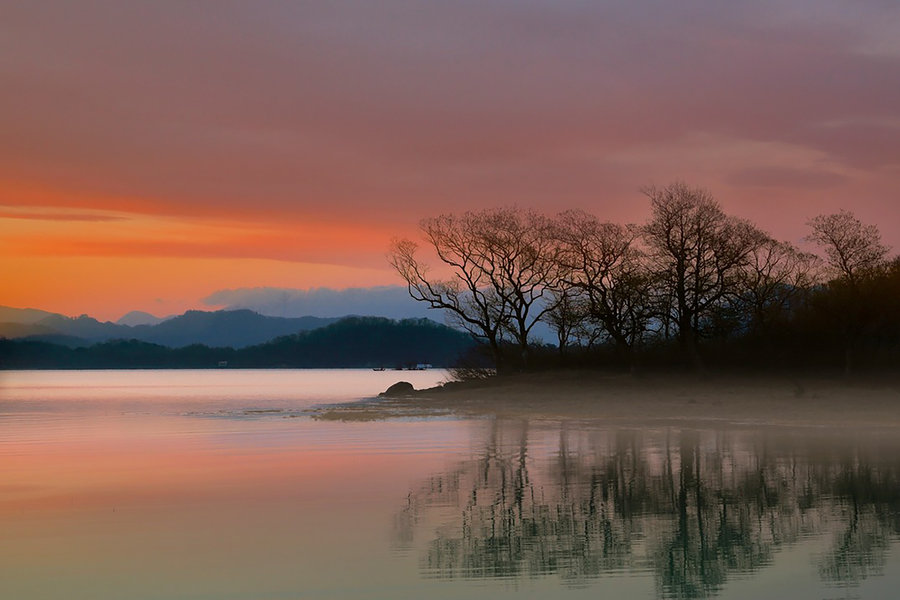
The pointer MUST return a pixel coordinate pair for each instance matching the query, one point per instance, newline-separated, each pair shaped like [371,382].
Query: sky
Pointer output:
[154,154]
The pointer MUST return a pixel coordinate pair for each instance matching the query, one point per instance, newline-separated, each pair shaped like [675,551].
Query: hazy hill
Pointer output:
[225,328]
[139,317]
[25,316]
[350,342]
[234,328]
[88,328]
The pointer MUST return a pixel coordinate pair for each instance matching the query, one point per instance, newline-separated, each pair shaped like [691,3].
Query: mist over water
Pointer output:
[216,484]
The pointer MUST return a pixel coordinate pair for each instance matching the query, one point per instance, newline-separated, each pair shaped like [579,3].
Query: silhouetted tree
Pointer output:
[503,266]
[601,262]
[698,253]
[467,297]
[522,254]
[852,249]
[857,261]
[568,313]
[776,275]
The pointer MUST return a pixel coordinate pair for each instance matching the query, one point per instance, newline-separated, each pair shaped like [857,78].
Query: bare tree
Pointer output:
[502,264]
[852,249]
[568,313]
[520,254]
[856,257]
[698,252]
[467,297]
[776,275]
[603,264]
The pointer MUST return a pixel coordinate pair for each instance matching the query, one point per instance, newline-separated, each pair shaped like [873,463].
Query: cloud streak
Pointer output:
[58,216]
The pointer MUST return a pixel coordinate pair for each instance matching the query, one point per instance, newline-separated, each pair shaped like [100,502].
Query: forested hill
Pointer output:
[350,342]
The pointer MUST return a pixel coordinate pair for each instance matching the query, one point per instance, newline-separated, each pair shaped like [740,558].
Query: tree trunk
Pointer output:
[497,354]
[624,350]
[688,337]
[563,339]
[526,355]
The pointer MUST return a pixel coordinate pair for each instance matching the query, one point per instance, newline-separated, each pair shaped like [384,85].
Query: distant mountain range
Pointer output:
[139,317]
[224,328]
[23,316]
[349,342]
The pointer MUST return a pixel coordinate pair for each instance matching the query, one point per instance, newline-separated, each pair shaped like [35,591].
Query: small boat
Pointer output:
[378,369]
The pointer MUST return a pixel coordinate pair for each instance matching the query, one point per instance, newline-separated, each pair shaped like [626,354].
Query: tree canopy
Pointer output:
[691,276]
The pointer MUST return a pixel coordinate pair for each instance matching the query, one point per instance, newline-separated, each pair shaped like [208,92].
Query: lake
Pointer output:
[218,484]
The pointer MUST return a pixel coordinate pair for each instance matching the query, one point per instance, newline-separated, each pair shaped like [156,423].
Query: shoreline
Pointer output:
[726,400]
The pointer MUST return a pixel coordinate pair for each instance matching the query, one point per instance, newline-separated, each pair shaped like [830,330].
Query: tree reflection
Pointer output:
[860,548]
[693,507]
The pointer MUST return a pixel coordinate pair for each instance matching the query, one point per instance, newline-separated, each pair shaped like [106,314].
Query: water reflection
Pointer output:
[692,507]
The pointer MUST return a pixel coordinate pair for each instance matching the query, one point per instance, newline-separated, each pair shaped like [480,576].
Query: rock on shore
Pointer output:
[401,388]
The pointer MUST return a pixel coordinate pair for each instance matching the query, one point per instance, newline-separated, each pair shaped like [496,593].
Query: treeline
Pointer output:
[692,286]
[351,342]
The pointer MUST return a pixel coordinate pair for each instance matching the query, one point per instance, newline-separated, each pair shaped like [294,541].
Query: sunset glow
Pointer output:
[152,155]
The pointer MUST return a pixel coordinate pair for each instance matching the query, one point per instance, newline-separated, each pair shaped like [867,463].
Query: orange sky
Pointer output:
[151,155]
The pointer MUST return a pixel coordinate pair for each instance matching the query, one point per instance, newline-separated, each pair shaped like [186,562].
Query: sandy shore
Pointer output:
[808,401]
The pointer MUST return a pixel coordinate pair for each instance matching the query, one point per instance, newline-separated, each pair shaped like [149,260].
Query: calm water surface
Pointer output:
[216,484]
